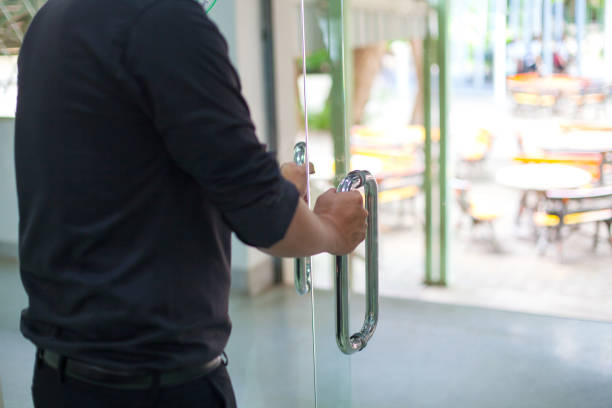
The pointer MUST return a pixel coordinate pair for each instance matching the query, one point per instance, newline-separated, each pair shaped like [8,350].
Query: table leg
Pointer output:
[522,207]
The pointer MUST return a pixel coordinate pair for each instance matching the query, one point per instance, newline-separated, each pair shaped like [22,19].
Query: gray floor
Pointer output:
[423,355]
[435,355]
[16,354]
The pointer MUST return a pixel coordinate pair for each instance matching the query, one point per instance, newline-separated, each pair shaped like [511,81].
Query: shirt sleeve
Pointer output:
[181,62]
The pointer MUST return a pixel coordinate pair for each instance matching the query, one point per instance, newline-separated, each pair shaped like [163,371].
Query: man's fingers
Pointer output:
[357,196]
[311,168]
[288,164]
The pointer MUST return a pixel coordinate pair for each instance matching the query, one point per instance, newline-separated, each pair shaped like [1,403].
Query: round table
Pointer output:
[578,141]
[557,83]
[538,178]
[542,176]
[587,142]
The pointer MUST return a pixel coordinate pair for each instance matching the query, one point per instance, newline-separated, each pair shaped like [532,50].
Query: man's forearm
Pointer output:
[308,234]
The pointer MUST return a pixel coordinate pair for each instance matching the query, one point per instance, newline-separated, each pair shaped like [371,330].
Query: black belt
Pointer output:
[134,380]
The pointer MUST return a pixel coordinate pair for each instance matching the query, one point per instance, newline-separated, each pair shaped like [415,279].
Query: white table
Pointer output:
[542,176]
[538,178]
[580,141]
[599,142]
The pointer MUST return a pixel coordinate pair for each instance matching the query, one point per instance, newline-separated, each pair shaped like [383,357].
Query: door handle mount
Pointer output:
[302,266]
[347,343]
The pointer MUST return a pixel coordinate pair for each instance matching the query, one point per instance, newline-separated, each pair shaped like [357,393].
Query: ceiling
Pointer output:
[15,15]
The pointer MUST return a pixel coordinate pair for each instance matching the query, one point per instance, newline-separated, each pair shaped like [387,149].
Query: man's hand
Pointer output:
[297,175]
[337,225]
[345,218]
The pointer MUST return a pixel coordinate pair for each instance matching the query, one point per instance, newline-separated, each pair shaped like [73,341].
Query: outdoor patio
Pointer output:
[513,273]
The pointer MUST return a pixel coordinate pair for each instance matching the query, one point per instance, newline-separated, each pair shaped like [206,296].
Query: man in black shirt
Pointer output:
[136,157]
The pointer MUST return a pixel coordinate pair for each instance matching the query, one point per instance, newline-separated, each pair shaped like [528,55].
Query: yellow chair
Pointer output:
[568,209]
[477,211]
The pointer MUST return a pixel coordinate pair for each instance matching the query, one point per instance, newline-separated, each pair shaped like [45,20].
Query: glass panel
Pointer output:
[388,138]
[271,347]
[326,143]
[371,91]
[440,355]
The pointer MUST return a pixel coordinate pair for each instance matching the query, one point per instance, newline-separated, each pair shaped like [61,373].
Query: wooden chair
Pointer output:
[476,152]
[476,211]
[593,95]
[529,100]
[398,194]
[399,170]
[566,210]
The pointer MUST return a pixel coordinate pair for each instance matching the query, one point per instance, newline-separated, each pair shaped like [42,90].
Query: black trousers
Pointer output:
[50,389]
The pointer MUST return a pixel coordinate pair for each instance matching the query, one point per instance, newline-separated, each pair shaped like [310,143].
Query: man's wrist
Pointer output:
[329,234]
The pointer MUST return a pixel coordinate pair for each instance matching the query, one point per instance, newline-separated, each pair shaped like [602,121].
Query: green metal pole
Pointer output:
[427,182]
[340,103]
[443,53]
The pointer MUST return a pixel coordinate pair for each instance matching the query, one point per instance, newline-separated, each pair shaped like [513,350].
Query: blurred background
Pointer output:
[487,126]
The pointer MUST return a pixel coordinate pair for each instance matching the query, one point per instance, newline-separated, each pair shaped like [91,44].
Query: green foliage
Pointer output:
[320,120]
[317,62]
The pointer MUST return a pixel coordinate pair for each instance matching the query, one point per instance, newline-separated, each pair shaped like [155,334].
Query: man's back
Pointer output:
[132,147]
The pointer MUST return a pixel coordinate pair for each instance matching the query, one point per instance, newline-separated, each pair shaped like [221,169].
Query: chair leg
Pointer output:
[400,211]
[596,236]
[494,242]
[544,237]
[413,209]
[522,208]
[473,224]
[559,239]
[459,223]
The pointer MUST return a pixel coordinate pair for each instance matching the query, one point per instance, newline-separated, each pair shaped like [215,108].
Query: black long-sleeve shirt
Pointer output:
[136,157]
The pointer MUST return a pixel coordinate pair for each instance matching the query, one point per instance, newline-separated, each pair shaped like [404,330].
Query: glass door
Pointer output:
[356,146]
[324,19]
[375,345]
[322,96]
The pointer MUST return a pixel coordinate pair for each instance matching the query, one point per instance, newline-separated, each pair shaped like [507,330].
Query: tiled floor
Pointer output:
[423,355]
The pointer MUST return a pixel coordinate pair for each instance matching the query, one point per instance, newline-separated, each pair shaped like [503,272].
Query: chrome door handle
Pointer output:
[303,281]
[357,342]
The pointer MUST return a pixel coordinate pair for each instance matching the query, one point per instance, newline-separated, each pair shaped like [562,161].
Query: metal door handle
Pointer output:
[351,344]
[303,281]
